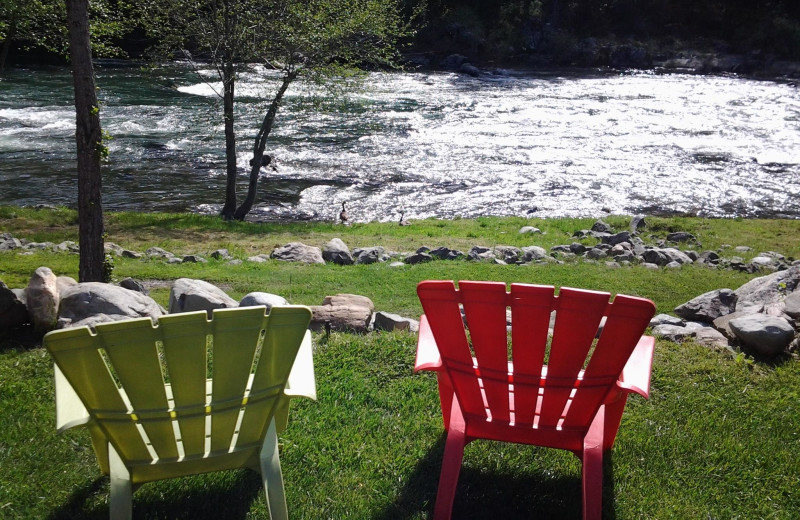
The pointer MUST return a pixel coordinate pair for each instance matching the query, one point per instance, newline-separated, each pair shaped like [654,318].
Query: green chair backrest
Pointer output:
[186,388]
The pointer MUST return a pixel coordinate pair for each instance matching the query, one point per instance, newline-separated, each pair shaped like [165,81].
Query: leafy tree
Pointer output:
[42,24]
[301,39]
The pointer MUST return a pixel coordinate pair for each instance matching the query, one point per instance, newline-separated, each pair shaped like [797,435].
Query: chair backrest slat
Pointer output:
[578,315]
[286,327]
[237,337]
[485,311]
[626,321]
[441,305]
[183,337]
[530,310]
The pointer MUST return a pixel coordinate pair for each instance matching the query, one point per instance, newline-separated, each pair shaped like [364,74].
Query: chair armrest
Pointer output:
[301,378]
[428,357]
[636,374]
[70,411]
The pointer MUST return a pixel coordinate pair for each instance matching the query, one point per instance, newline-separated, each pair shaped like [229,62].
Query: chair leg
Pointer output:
[271,475]
[451,464]
[121,500]
[593,468]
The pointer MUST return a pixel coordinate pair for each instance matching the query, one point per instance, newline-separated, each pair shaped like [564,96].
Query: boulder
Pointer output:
[444,253]
[64,282]
[480,253]
[708,257]
[529,230]
[710,337]
[351,300]
[392,322]
[134,285]
[792,305]
[370,255]
[533,253]
[666,319]
[254,299]
[656,256]
[637,223]
[769,290]
[676,255]
[298,252]
[340,317]
[157,252]
[221,254]
[508,254]
[95,302]
[602,227]
[43,298]
[596,254]
[8,242]
[337,252]
[762,334]
[13,311]
[674,333]
[189,295]
[194,259]
[127,253]
[709,306]
[418,258]
[617,238]
[681,236]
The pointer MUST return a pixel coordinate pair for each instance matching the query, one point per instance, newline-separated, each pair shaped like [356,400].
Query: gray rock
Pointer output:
[596,254]
[656,256]
[666,319]
[337,252]
[13,311]
[194,259]
[617,238]
[112,248]
[397,264]
[157,252]
[189,295]
[235,261]
[370,255]
[674,333]
[769,290]
[681,236]
[529,230]
[127,253]
[89,300]
[63,282]
[673,265]
[709,337]
[722,324]
[392,322]
[298,252]
[764,335]
[254,299]
[637,223]
[67,246]
[480,253]
[577,248]
[708,257]
[601,226]
[709,306]
[648,265]
[792,305]
[259,259]
[134,285]
[351,300]
[40,246]
[343,312]
[508,254]
[676,255]
[742,249]
[174,260]
[8,242]
[43,298]
[444,253]
[221,254]
[533,253]
[418,258]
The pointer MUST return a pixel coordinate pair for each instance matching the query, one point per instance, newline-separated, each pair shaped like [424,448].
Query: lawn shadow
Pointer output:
[497,494]
[197,497]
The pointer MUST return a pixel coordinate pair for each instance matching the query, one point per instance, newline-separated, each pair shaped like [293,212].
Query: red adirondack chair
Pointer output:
[568,395]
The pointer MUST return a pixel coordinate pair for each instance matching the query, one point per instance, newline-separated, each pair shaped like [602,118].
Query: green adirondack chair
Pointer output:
[188,396]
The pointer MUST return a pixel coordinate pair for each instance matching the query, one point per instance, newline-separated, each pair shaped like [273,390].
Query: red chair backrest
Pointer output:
[511,383]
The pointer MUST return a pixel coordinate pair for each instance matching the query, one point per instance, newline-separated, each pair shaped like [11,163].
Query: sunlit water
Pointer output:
[425,144]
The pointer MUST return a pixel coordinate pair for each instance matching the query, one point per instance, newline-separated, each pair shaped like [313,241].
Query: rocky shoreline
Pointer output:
[761,318]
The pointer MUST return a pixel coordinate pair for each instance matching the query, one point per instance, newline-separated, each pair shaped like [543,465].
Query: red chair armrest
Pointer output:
[636,374]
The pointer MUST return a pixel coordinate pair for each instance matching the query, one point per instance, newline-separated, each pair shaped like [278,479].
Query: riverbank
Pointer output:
[718,436]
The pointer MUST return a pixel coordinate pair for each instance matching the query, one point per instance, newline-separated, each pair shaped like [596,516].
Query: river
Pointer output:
[432,144]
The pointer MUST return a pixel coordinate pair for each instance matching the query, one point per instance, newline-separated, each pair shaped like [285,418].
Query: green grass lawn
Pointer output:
[719,437]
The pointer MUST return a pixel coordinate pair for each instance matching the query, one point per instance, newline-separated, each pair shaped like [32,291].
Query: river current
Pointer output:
[431,144]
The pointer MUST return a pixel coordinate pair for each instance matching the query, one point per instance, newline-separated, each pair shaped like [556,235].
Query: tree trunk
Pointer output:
[260,144]
[228,84]
[88,138]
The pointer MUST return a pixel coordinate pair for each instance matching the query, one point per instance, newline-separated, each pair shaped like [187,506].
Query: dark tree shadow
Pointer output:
[197,497]
[496,494]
